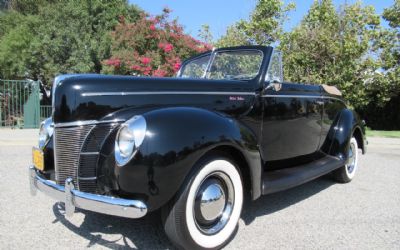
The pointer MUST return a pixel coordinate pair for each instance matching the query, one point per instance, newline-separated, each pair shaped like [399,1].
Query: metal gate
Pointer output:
[20,104]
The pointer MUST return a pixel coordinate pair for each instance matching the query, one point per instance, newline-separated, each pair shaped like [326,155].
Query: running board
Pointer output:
[282,179]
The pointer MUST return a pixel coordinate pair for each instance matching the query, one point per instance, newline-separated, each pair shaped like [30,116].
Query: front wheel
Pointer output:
[346,173]
[206,213]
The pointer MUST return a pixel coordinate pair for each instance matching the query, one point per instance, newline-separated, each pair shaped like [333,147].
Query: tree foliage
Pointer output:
[266,21]
[385,114]
[26,7]
[205,34]
[150,46]
[334,47]
[389,43]
[234,36]
[392,14]
[40,39]
[264,26]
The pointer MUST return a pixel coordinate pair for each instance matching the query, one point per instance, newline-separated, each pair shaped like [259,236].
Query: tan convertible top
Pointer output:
[331,90]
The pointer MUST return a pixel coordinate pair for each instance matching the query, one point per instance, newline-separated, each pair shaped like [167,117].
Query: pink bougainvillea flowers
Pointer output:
[146,60]
[168,47]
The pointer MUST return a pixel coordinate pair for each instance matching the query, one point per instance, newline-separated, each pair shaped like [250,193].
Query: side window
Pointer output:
[195,68]
[275,71]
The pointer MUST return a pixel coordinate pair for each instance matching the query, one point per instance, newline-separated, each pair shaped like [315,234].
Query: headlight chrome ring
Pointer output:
[130,136]
[45,132]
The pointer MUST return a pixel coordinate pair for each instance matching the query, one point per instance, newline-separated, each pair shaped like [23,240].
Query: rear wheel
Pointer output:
[206,213]
[346,173]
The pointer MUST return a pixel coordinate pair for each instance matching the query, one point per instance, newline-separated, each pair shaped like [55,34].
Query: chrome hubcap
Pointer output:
[210,202]
[213,203]
[352,158]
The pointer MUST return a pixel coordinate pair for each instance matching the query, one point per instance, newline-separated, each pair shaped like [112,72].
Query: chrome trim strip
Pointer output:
[210,61]
[334,98]
[89,153]
[304,96]
[82,123]
[167,93]
[294,96]
[54,153]
[87,178]
[93,202]
[69,197]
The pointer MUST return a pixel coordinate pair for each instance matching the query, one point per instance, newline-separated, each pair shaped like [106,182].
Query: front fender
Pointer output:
[176,139]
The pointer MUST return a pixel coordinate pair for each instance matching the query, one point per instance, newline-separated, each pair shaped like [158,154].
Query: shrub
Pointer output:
[152,46]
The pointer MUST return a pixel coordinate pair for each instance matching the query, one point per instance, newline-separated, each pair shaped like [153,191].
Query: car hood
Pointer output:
[104,97]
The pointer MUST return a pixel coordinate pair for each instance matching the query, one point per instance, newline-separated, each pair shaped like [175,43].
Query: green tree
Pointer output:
[382,111]
[392,15]
[264,26]
[17,48]
[58,37]
[205,34]
[390,47]
[234,36]
[26,7]
[334,47]
[266,21]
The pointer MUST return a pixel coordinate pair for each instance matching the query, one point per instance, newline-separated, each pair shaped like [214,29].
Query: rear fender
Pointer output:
[346,125]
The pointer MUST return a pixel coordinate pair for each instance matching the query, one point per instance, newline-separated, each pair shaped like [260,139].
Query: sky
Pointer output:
[219,14]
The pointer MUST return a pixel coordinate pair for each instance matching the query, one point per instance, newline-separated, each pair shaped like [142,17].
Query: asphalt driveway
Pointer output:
[364,214]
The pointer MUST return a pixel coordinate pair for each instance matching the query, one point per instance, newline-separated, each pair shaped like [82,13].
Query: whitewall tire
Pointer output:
[347,172]
[205,214]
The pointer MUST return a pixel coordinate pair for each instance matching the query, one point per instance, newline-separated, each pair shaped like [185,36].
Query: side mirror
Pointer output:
[275,85]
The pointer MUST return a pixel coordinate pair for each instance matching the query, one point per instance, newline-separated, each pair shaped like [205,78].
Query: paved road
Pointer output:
[364,214]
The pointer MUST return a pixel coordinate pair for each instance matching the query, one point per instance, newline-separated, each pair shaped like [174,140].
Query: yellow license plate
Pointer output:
[37,158]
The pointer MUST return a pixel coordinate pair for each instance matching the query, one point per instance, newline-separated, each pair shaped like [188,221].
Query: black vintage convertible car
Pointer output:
[193,146]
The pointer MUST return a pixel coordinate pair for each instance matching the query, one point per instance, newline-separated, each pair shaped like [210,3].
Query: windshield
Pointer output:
[230,65]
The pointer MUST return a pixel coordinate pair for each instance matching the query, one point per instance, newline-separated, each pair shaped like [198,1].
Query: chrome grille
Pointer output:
[67,144]
[90,156]
[77,152]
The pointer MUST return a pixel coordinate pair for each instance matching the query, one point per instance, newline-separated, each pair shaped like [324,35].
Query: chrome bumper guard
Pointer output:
[93,202]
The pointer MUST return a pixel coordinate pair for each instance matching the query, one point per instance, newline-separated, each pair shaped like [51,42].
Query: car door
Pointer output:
[291,127]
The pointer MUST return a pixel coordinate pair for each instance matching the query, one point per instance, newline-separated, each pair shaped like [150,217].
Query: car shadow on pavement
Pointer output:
[272,203]
[148,233]
[143,233]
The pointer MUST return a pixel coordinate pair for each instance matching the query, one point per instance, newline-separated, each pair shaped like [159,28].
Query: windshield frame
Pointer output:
[265,53]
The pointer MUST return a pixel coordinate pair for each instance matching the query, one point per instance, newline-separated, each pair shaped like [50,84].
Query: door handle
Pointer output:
[319,102]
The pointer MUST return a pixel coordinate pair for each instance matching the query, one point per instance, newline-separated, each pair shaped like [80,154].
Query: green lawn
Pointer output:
[382,133]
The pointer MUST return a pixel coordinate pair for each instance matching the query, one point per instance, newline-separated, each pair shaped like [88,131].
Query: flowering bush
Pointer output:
[152,46]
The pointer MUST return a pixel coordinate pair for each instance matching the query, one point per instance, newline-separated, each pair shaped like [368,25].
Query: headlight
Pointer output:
[45,132]
[129,138]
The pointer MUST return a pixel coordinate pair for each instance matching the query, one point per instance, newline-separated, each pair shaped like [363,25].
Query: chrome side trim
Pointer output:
[89,153]
[304,96]
[93,202]
[294,96]
[82,123]
[167,93]
[87,178]
[334,98]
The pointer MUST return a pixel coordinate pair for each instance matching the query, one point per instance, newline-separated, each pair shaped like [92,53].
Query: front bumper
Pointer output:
[93,202]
